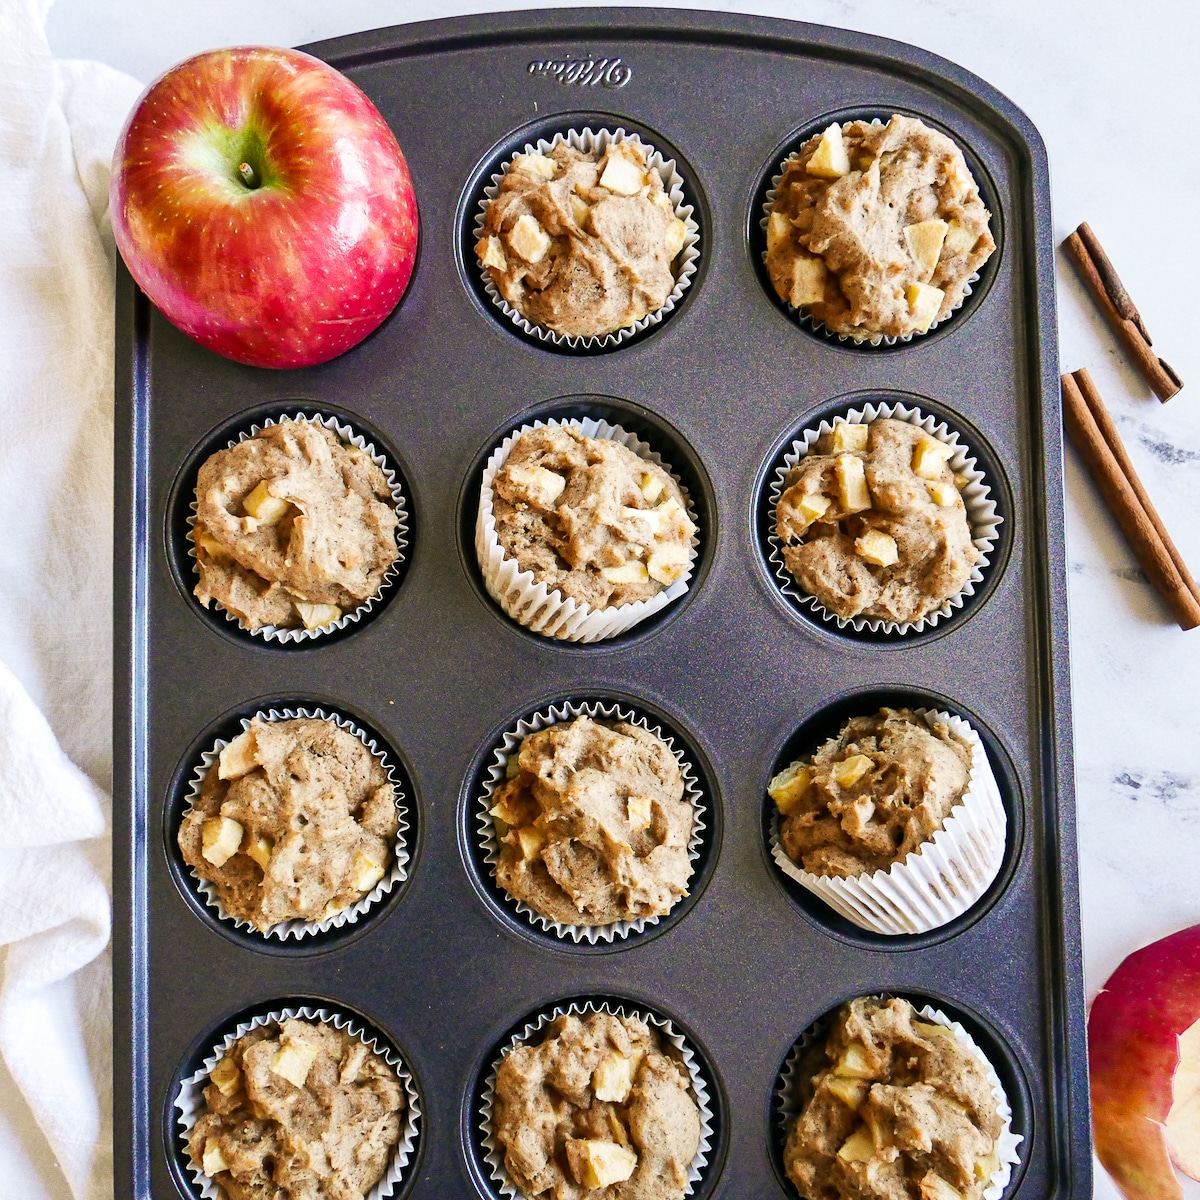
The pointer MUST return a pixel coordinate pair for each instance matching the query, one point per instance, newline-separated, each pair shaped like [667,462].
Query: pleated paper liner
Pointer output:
[298,929]
[347,434]
[982,516]
[493,1152]
[486,829]
[934,884]
[533,604]
[787,1106]
[805,319]
[189,1102]
[596,141]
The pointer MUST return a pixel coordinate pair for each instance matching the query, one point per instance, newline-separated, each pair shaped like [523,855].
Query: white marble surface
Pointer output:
[1105,82]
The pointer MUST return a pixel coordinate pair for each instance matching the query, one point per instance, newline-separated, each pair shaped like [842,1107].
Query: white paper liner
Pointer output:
[982,516]
[589,141]
[493,1152]
[486,827]
[532,603]
[273,633]
[807,320]
[935,883]
[189,1103]
[1007,1142]
[400,856]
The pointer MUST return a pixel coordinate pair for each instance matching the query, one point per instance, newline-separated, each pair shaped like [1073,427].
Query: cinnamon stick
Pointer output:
[1122,301]
[1123,502]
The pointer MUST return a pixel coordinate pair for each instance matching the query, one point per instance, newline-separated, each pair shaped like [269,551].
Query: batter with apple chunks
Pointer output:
[872,523]
[293,527]
[592,824]
[295,821]
[597,1111]
[895,1107]
[298,1110]
[590,518]
[582,243]
[876,229]
[871,796]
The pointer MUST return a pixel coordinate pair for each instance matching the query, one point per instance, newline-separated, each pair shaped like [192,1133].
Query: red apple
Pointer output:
[1144,1045]
[263,204]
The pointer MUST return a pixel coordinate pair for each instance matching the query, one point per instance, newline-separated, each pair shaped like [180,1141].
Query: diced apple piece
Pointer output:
[263,507]
[210,545]
[929,1030]
[540,165]
[512,766]
[597,1164]
[808,280]
[830,160]
[652,487]
[639,809]
[929,456]
[612,1080]
[511,809]
[538,486]
[934,1187]
[365,873]
[986,1166]
[226,1076]
[580,210]
[850,770]
[924,303]
[852,483]
[493,253]
[851,1092]
[941,493]
[859,1147]
[213,1160]
[850,436]
[877,548]
[788,787]
[924,240]
[674,237]
[813,508]
[240,757]
[779,229]
[854,1063]
[294,1060]
[529,239]
[532,841]
[260,850]
[959,240]
[630,572]
[623,173]
[220,839]
[668,563]
[317,616]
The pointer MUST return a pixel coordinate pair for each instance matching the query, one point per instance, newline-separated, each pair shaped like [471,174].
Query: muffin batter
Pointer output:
[872,523]
[592,824]
[295,820]
[293,527]
[298,1111]
[871,796]
[596,1111]
[876,229]
[581,243]
[895,1108]
[590,518]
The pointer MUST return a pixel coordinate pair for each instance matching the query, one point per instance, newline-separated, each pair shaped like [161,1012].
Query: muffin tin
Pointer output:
[744,679]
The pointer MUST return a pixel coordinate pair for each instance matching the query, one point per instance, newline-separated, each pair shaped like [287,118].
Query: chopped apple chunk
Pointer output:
[779,229]
[851,1092]
[924,303]
[259,850]
[226,1076]
[365,873]
[532,841]
[830,160]
[580,210]
[986,1166]
[929,457]
[853,492]
[493,254]
[210,545]
[612,1080]
[537,485]
[959,240]
[317,616]
[850,436]
[597,1164]
[630,572]
[667,564]
[813,508]
[675,236]
[652,487]
[529,239]
[808,281]
[639,811]
[788,787]
[941,493]
[854,1063]
[510,810]
[213,1160]
[924,241]
[623,172]
[263,507]
[220,839]
[859,1147]
[540,165]
[293,1061]
[239,757]
[877,548]
[850,770]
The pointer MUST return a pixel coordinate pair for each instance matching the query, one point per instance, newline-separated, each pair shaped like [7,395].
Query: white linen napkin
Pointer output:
[58,125]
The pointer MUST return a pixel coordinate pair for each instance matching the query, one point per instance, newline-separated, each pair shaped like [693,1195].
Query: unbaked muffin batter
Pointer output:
[592,823]
[895,1107]
[580,243]
[596,1111]
[293,527]
[876,229]
[298,1111]
[295,820]
[873,525]
[590,518]
[871,796]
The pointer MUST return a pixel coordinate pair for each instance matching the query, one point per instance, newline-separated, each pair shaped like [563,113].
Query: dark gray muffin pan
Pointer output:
[744,680]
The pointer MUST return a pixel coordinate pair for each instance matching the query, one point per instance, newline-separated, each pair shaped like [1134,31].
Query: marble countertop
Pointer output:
[1101,82]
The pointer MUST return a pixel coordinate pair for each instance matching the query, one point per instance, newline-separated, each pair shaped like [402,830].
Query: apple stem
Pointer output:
[249,177]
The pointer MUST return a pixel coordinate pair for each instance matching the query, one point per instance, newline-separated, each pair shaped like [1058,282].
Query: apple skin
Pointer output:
[304,263]
[1133,1031]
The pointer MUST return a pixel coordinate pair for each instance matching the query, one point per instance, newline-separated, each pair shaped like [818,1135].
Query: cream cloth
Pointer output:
[58,125]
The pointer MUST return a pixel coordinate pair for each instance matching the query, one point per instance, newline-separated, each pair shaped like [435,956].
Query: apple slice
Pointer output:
[1145,1068]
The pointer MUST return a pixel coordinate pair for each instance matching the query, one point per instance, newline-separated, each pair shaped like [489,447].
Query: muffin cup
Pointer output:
[556,715]
[1006,1144]
[493,1152]
[274,633]
[189,1102]
[982,516]
[350,914]
[807,321]
[935,883]
[596,141]
[530,602]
